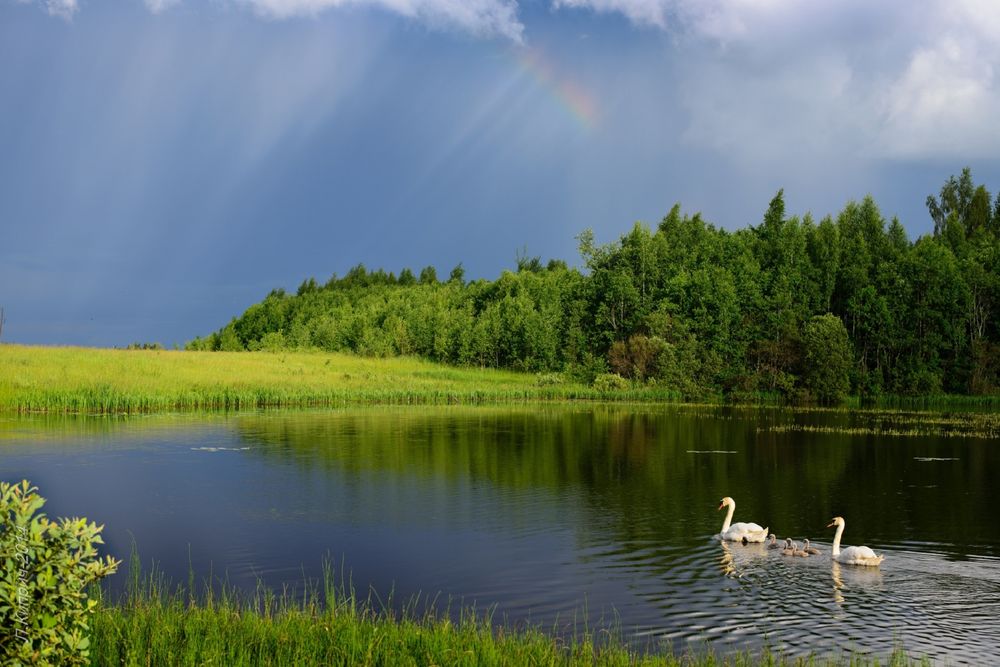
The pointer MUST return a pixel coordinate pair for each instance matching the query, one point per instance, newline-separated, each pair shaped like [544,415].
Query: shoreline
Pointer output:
[79,380]
[154,623]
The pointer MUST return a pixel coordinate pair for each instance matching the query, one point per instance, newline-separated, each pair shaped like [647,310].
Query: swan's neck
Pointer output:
[729,517]
[836,539]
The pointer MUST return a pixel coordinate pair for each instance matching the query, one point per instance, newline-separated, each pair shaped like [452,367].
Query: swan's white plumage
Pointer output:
[737,532]
[852,555]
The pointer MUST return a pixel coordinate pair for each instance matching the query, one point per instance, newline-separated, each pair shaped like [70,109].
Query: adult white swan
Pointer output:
[739,531]
[851,555]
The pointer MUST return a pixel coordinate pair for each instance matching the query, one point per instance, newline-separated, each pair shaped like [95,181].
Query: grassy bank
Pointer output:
[99,380]
[91,380]
[164,634]
[152,627]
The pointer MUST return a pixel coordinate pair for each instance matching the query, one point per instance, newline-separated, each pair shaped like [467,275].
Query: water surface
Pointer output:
[557,515]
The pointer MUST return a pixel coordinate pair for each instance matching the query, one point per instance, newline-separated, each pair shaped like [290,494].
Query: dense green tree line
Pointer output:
[792,306]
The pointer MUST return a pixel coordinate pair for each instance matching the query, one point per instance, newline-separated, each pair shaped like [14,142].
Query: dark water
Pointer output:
[557,515]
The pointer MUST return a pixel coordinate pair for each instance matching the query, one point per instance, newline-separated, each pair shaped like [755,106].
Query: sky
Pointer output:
[166,163]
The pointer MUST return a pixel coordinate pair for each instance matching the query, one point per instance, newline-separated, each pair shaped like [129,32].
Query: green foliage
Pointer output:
[963,210]
[457,274]
[406,278]
[586,370]
[689,306]
[44,608]
[608,383]
[145,346]
[228,340]
[272,341]
[638,358]
[828,358]
[428,275]
[548,379]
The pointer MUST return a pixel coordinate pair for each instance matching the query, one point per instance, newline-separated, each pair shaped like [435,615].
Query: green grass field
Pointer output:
[94,380]
[100,380]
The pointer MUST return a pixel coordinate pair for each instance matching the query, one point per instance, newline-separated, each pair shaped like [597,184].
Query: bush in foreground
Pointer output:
[47,566]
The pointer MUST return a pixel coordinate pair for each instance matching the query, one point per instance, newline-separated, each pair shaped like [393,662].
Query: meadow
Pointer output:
[92,380]
[81,380]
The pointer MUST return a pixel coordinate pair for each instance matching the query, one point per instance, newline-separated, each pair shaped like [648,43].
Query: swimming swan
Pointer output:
[851,555]
[737,531]
[789,548]
[773,544]
[811,550]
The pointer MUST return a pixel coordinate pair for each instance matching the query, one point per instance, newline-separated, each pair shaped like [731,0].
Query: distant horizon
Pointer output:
[167,163]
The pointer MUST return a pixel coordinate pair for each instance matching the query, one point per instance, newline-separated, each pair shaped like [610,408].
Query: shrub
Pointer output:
[145,346]
[587,370]
[638,358]
[610,382]
[548,379]
[272,341]
[47,567]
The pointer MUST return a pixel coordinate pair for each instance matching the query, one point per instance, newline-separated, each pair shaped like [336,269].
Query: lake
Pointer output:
[559,515]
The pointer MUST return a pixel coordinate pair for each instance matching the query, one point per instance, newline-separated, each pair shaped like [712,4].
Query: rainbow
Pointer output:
[575,99]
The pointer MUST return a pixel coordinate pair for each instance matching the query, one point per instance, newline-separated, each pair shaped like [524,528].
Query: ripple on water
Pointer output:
[558,519]
[733,595]
[219,449]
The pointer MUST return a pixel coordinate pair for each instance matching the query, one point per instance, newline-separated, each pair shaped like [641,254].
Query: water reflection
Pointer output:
[857,577]
[738,559]
[544,511]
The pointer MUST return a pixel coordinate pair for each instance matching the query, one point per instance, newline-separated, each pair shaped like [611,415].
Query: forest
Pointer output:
[791,307]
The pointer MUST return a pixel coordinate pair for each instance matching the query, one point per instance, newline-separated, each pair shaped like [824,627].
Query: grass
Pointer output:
[899,423]
[109,381]
[333,626]
[92,380]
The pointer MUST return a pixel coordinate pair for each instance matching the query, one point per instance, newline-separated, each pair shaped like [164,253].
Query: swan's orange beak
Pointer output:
[831,524]
[721,505]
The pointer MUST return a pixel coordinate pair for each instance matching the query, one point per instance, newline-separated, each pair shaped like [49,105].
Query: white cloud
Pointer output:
[479,17]
[158,6]
[484,18]
[640,12]
[61,8]
[718,18]
[64,9]
[889,79]
[882,80]
[946,99]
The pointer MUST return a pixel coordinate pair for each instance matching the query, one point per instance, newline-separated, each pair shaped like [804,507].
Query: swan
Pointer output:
[789,549]
[811,550]
[851,555]
[774,541]
[799,552]
[737,531]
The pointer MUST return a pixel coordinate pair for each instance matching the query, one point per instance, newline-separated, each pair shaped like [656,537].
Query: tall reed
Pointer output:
[328,623]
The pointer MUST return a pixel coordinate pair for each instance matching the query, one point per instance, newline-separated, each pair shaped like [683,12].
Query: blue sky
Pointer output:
[166,163]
